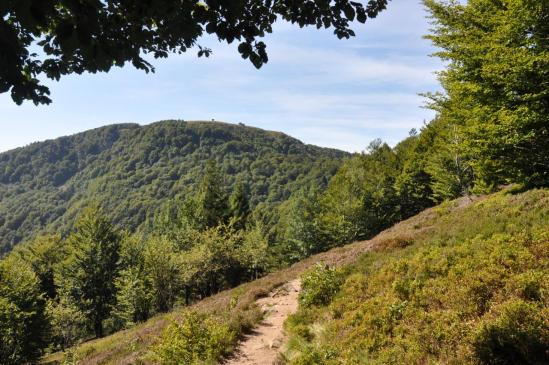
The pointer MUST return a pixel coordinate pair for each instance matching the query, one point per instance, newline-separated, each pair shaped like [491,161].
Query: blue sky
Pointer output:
[324,91]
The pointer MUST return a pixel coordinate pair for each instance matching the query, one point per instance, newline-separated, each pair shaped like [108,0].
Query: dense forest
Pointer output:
[182,211]
[131,171]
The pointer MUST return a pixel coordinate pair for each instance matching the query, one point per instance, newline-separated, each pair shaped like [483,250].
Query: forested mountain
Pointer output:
[132,170]
[221,205]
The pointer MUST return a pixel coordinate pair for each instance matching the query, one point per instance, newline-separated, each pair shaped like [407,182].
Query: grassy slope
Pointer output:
[428,233]
[469,285]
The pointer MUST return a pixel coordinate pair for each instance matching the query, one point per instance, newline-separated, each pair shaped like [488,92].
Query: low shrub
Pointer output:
[195,339]
[471,290]
[517,334]
[319,286]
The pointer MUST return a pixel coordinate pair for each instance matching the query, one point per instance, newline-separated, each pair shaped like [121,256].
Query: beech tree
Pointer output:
[23,324]
[496,85]
[43,255]
[90,273]
[53,38]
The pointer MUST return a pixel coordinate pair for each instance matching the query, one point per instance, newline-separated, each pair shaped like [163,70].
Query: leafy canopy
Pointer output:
[76,36]
[496,95]
[88,277]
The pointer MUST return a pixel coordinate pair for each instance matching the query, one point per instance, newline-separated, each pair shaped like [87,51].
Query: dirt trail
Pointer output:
[261,347]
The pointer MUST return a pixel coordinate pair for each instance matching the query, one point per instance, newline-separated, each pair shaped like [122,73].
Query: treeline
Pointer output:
[56,292]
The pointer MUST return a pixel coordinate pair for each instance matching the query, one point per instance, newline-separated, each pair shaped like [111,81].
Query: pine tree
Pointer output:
[239,205]
[212,198]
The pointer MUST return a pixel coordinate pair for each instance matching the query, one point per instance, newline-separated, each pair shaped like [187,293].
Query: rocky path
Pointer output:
[261,347]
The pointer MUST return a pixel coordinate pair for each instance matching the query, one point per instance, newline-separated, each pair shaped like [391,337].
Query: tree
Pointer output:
[134,289]
[93,36]
[413,184]
[68,323]
[253,254]
[214,260]
[211,205]
[449,166]
[23,324]
[496,84]
[164,270]
[239,205]
[362,199]
[43,255]
[89,275]
[134,297]
[300,219]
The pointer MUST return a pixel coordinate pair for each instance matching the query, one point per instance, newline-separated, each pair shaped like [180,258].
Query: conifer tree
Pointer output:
[212,207]
[239,205]
[90,273]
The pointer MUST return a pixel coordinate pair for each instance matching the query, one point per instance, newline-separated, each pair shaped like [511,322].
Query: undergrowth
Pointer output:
[472,289]
[461,283]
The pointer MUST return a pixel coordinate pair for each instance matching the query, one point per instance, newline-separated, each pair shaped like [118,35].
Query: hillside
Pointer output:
[440,287]
[132,170]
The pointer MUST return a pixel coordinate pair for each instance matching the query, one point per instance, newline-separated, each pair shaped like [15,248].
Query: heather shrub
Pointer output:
[319,286]
[195,339]
[516,334]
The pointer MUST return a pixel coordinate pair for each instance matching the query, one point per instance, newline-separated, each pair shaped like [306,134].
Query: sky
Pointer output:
[321,90]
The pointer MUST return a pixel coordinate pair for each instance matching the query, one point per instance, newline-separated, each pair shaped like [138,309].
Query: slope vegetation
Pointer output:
[472,288]
[131,170]
[448,285]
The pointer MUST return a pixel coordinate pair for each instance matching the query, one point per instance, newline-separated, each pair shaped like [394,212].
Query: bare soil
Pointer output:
[261,347]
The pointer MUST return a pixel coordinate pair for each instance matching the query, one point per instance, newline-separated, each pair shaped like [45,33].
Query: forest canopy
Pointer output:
[131,171]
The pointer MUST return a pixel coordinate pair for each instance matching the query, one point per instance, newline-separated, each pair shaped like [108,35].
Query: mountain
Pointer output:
[131,170]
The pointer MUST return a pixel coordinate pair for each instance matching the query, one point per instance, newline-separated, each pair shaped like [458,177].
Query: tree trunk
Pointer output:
[98,328]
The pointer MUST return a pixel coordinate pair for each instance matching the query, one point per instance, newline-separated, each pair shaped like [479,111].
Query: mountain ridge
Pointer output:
[44,184]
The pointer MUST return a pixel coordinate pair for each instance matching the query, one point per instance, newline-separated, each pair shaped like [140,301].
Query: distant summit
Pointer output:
[132,170]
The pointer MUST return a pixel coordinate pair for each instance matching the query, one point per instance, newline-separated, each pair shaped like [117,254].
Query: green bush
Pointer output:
[518,334]
[23,324]
[319,286]
[196,339]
